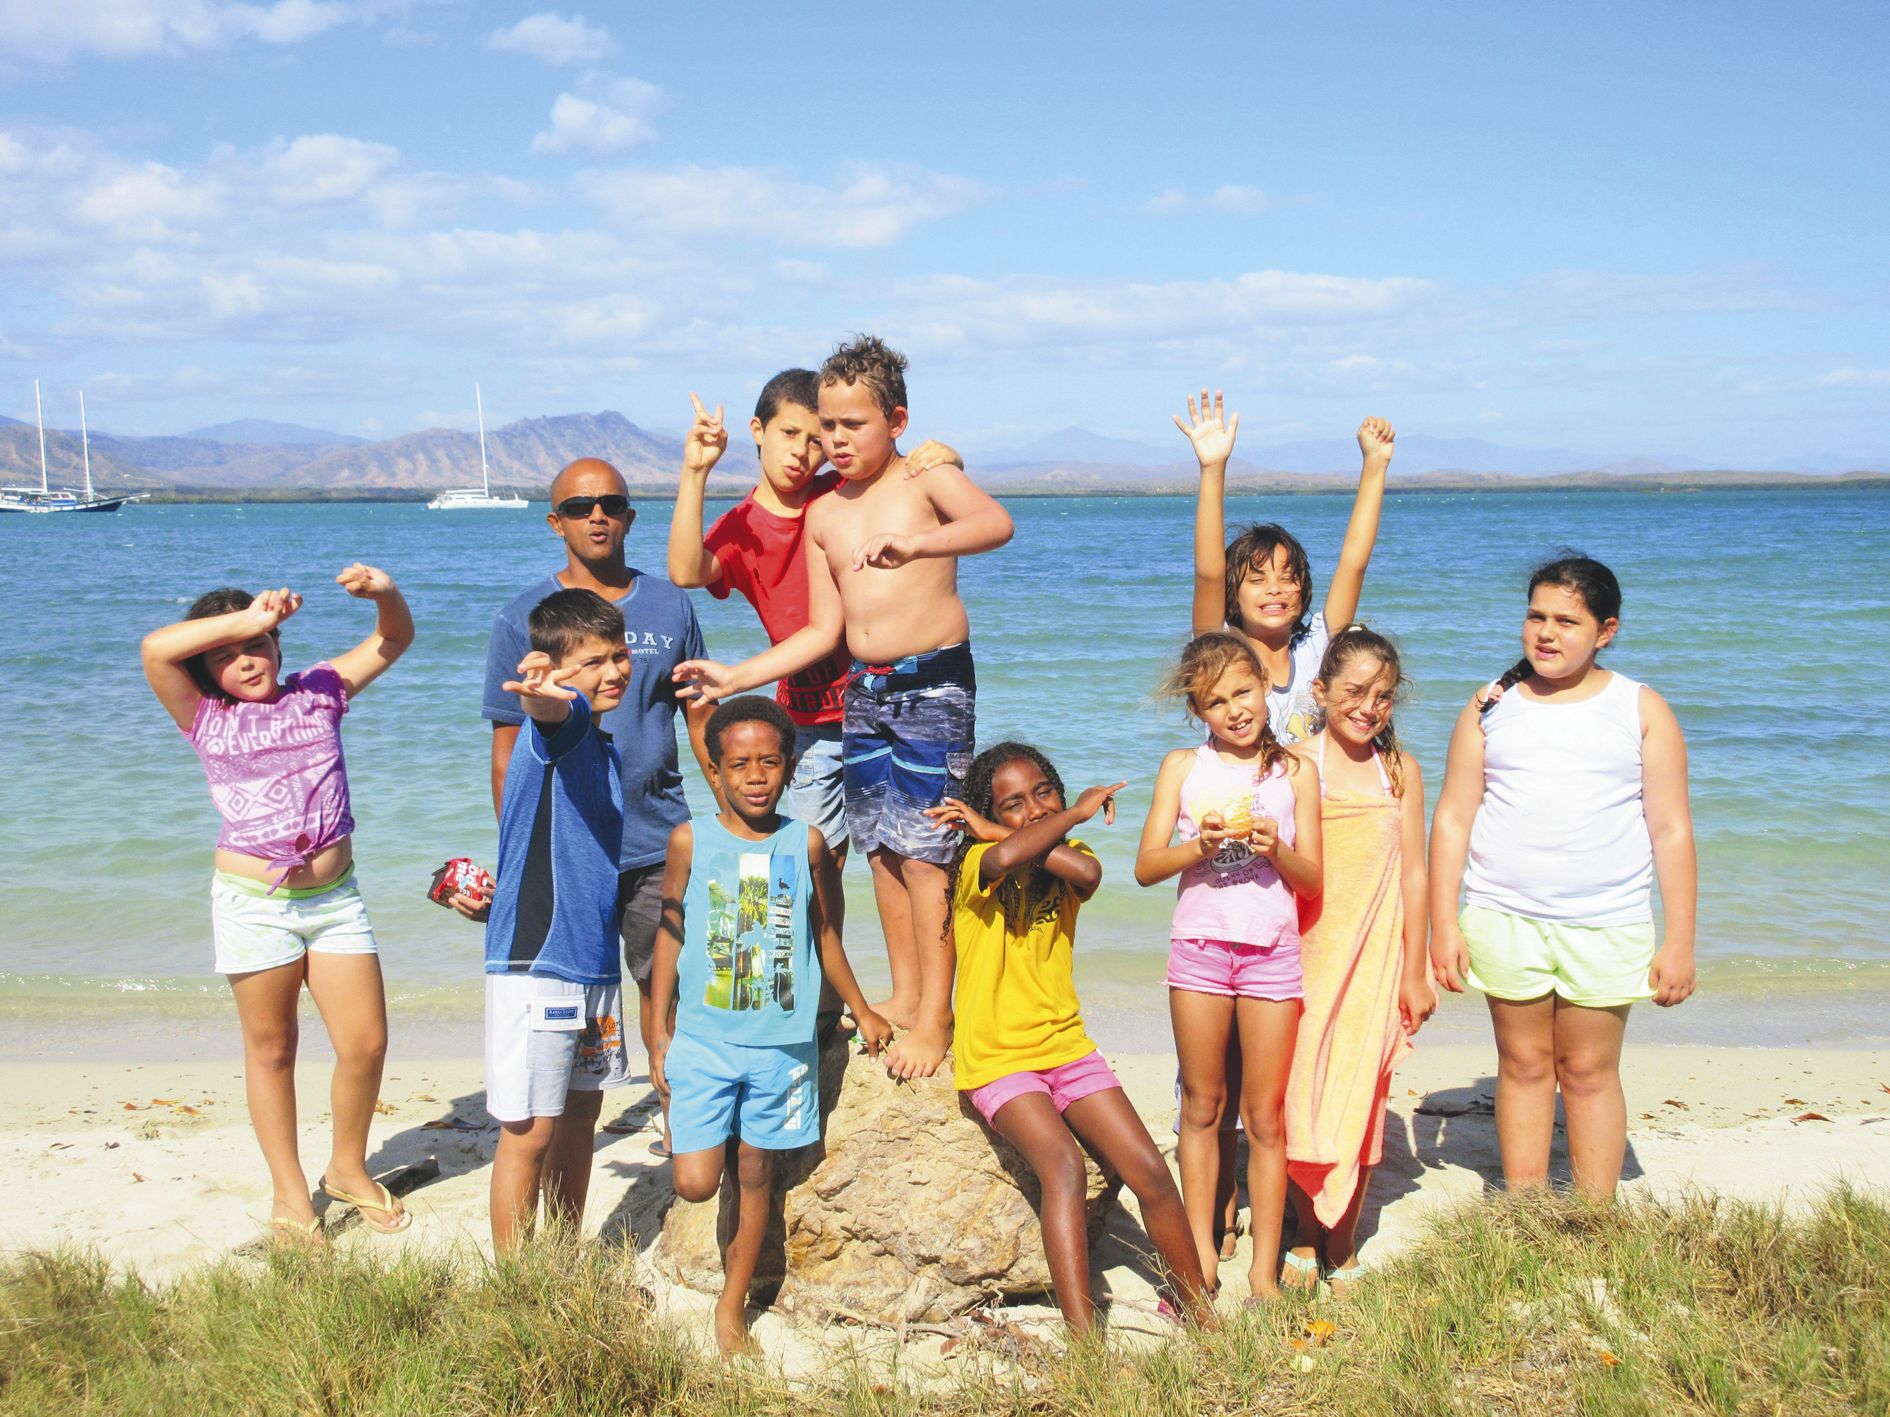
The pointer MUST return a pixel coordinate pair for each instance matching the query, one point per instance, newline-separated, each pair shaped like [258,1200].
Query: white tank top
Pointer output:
[1560,834]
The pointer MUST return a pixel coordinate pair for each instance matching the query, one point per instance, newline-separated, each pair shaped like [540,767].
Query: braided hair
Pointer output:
[1587,578]
[1018,893]
[1202,663]
[1351,642]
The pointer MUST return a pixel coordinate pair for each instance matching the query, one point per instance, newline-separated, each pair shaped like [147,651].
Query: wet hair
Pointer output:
[1251,550]
[797,386]
[749,708]
[1350,643]
[565,619]
[1589,579]
[1202,663]
[222,601]
[1019,893]
[869,360]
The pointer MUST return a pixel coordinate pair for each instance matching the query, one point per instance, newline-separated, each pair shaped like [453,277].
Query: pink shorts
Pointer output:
[1071,1082]
[1244,971]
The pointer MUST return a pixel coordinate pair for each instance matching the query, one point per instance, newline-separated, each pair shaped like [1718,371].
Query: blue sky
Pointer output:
[1623,228]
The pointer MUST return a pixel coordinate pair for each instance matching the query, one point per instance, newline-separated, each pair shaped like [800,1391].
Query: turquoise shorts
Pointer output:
[766,1094]
[1596,966]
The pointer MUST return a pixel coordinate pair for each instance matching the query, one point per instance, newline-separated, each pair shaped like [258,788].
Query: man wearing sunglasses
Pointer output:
[591,514]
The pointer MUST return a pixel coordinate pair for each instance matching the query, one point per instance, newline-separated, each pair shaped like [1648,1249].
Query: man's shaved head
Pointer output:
[587,477]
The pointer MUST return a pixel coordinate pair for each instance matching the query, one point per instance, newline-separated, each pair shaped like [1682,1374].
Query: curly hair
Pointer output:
[869,360]
[1205,659]
[1252,550]
[747,708]
[1351,642]
[1018,893]
[1587,578]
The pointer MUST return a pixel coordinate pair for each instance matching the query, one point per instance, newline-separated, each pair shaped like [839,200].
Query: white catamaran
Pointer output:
[481,496]
[45,497]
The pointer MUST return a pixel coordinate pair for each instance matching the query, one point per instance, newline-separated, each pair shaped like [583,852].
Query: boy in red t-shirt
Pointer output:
[755,548]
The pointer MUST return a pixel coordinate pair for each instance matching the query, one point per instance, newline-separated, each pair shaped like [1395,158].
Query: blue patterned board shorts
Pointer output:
[908,737]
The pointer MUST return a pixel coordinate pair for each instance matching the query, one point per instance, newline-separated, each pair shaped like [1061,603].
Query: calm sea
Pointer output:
[1760,615]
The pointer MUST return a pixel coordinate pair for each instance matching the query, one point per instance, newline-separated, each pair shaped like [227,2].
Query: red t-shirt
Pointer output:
[761,557]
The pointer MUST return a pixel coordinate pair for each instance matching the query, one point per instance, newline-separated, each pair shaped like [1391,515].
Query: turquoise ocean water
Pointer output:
[1760,615]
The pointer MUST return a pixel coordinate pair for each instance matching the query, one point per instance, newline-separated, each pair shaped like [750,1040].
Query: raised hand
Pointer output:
[888,551]
[365,581]
[931,454]
[953,815]
[271,607]
[703,679]
[1094,799]
[541,681]
[1375,438]
[707,439]
[1208,428]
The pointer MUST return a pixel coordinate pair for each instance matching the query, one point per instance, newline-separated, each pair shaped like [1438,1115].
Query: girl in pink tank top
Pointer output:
[1247,816]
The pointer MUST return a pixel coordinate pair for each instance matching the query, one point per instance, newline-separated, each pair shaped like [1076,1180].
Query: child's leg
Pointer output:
[517,1166]
[1267,1031]
[1588,1068]
[1227,1179]
[1202,1023]
[567,1165]
[265,1007]
[919,1053]
[1525,1087]
[902,948]
[1032,1124]
[1110,1127]
[754,1171]
[1306,1236]
[348,991]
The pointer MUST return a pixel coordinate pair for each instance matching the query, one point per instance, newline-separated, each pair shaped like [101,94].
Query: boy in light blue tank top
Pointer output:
[747,934]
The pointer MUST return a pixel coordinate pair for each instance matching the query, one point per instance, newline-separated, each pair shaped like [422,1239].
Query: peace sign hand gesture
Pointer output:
[1210,430]
[707,440]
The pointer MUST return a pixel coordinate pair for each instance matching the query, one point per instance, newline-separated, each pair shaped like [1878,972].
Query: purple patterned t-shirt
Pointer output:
[276,771]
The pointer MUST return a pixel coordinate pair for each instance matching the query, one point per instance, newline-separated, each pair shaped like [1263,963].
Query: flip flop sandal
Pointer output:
[1351,1276]
[1301,1272]
[300,1233]
[402,1216]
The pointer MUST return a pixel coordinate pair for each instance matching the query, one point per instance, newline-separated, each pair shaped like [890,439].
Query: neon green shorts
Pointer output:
[1596,966]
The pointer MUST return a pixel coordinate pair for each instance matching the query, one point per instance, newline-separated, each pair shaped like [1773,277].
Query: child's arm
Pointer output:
[1361,532]
[541,693]
[1670,829]
[1417,997]
[164,651]
[875,1032]
[1457,807]
[669,933]
[691,563]
[393,627]
[1299,865]
[930,454]
[1039,843]
[971,521]
[1156,859]
[1213,438]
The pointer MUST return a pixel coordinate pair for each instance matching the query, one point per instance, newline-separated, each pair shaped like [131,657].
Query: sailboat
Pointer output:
[458,498]
[46,498]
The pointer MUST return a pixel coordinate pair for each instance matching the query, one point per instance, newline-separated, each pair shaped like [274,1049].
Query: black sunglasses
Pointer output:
[577,507]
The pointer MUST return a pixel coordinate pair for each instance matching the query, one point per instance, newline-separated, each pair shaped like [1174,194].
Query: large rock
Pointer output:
[911,1208]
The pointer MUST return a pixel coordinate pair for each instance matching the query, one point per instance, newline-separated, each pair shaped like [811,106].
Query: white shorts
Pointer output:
[256,930]
[547,1037]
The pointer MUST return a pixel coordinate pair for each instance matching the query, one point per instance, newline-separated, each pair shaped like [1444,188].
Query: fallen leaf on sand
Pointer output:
[386,1109]
[136,1179]
[1809,1117]
[111,1146]
[134,1107]
[1885,1086]
[60,1145]
[426,1097]
[163,1101]
[1320,1331]
[188,1111]
[1794,1102]
[1647,1116]
[1675,1102]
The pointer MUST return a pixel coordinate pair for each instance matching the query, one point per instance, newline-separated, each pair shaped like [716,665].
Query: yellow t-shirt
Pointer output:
[1015,1001]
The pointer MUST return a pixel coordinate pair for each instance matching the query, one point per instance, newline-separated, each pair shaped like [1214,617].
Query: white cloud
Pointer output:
[1239,201]
[1162,203]
[326,167]
[555,40]
[609,116]
[1852,378]
[867,206]
[122,29]
[145,203]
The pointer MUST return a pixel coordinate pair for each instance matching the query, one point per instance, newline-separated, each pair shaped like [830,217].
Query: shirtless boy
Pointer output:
[882,578]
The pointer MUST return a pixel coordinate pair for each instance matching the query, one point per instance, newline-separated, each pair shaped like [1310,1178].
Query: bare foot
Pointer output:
[732,1336]
[899,1012]
[919,1052]
[1260,1292]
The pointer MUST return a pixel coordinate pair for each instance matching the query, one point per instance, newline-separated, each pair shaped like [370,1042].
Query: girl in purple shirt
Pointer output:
[284,909]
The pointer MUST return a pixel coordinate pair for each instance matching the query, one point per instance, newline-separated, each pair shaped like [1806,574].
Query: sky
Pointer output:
[1629,228]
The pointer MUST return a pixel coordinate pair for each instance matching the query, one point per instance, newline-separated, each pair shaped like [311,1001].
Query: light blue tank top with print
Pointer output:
[748,972]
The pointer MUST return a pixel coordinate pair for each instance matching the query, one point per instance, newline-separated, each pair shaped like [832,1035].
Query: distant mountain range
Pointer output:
[277,459]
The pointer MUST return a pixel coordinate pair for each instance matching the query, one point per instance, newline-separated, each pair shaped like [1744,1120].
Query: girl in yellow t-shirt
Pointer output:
[1018,1043]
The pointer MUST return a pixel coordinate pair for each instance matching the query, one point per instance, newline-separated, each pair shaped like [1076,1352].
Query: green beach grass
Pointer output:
[1533,1306]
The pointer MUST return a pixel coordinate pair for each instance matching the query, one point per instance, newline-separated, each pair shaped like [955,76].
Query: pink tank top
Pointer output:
[1235,896]
[275,769]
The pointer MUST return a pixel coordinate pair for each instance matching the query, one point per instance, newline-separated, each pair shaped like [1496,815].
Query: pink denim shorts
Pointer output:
[1071,1082]
[1243,971]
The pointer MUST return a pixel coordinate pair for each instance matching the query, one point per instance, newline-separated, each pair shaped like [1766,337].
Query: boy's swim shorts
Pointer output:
[909,730]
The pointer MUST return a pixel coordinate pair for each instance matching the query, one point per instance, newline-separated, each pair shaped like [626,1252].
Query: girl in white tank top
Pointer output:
[1565,795]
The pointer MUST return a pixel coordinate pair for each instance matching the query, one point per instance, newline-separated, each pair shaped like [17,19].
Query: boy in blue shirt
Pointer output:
[746,894]
[554,999]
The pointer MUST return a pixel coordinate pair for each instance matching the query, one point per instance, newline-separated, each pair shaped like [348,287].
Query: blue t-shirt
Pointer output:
[554,909]
[748,972]
[662,632]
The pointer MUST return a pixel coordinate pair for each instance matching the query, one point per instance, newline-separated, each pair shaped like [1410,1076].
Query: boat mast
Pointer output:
[85,445]
[485,478]
[39,416]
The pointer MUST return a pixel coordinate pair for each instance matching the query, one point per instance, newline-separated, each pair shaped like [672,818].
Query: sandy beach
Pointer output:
[153,1163]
